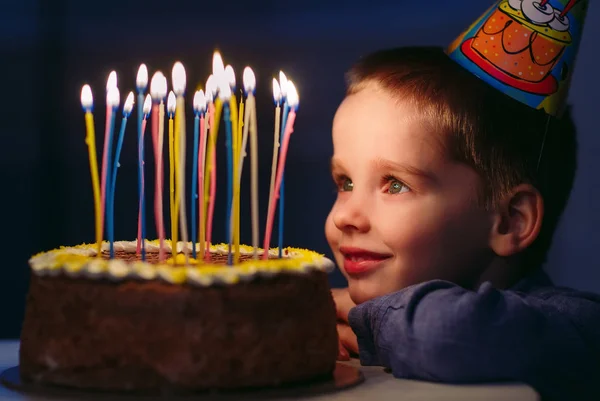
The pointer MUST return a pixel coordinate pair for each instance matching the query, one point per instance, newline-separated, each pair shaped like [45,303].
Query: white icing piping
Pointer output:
[49,263]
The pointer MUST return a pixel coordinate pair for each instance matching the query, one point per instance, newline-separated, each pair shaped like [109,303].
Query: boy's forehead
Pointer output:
[373,115]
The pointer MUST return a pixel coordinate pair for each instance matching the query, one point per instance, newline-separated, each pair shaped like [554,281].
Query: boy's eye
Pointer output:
[396,186]
[345,184]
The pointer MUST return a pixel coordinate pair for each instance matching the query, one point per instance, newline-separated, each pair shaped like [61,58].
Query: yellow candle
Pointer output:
[236,183]
[91,142]
[239,157]
[87,102]
[172,169]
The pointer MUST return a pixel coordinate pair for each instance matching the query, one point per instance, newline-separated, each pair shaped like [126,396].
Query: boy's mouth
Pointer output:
[358,261]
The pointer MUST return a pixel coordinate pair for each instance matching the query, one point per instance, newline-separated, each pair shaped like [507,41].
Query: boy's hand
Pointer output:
[343,303]
[348,344]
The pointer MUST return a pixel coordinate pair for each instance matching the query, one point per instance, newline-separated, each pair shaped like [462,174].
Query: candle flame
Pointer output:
[249,80]
[283,84]
[128,107]
[158,86]
[211,87]
[87,99]
[179,79]
[224,90]
[292,95]
[276,91]
[113,97]
[199,102]
[147,105]
[111,82]
[142,77]
[171,103]
[217,65]
[230,76]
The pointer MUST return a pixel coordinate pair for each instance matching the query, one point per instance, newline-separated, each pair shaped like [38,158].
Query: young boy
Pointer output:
[449,193]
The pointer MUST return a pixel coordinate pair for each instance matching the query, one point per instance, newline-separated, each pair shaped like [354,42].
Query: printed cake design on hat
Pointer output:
[525,48]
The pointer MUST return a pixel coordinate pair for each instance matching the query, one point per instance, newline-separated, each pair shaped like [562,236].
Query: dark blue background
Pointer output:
[50,48]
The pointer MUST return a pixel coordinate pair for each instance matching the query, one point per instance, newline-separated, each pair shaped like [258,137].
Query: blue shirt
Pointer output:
[534,333]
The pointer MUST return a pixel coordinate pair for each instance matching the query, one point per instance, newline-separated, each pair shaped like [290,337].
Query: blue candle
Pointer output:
[229,147]
[112,100]
[141,84]
[286,109]
[199,108]
[111,195]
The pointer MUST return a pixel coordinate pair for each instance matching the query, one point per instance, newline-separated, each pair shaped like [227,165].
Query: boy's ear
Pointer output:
[517,220]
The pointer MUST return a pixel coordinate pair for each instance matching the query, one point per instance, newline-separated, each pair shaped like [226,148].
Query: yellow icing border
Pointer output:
[81,261]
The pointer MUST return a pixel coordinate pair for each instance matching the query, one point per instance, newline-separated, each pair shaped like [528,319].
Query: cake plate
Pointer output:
[344,377]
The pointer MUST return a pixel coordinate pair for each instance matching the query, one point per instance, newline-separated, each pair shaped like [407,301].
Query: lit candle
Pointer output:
[141,246]
[179,82]
[113,99]
[233,218]
[277,99]
[249,81]
[158,91]
[87,103]
[286,109]
[110,83]
[127,109]
[292,100]
[199,105]
[141,84]
[215,118]
[171,101]
[210,184]
[225,95]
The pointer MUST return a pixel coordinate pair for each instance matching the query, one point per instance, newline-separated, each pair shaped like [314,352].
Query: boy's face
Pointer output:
[405,213]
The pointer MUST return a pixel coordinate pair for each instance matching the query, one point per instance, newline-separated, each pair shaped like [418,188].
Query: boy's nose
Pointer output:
[351,215]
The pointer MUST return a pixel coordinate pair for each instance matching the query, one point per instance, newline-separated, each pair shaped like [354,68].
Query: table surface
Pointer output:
[378,385]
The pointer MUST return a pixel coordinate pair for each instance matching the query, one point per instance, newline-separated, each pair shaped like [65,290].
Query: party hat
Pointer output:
[526,49]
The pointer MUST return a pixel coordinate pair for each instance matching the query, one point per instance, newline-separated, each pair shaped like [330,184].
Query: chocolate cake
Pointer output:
[123,324]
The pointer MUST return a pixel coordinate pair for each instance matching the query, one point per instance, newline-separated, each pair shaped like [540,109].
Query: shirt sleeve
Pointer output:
[438,331]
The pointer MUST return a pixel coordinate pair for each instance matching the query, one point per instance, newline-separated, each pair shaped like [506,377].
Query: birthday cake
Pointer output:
[121,324]
[142,316]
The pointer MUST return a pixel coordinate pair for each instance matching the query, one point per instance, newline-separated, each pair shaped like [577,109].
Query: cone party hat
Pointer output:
[526,49]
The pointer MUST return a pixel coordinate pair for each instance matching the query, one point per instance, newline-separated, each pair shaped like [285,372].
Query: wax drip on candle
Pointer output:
[87,102]
[127,109]
[171,105]
[179,84]
[141,84]
[199,106]
[284,89]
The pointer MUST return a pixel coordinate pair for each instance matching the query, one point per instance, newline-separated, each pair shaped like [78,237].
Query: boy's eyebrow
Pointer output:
[387,165]
[383,164]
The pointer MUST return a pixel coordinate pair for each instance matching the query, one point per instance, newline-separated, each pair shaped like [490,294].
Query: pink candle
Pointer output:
[147,109]
[213,186]
[289,128]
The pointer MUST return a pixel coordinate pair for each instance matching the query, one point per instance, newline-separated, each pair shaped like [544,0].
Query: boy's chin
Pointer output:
[363,290]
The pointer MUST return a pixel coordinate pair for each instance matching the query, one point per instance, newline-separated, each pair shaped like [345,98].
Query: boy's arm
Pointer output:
[441,332]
